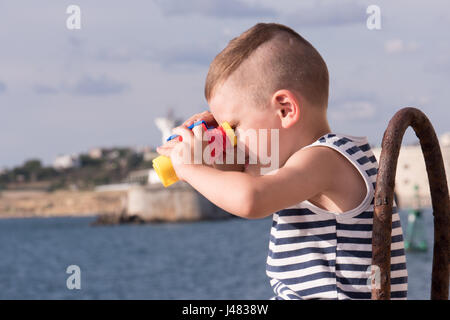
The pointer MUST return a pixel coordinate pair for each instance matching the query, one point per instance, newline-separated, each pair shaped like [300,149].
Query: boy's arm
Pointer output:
[304,175]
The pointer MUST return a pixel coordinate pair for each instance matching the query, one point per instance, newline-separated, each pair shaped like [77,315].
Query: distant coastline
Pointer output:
[63,203]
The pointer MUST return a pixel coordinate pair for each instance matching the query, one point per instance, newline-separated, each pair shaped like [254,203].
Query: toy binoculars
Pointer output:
[163,165]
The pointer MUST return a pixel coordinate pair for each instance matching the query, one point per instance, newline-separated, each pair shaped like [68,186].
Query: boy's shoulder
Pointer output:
[332,149]
[319,157]
[343,185]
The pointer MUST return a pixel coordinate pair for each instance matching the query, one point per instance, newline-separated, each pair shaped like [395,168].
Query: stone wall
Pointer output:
[60,203]
[179,202]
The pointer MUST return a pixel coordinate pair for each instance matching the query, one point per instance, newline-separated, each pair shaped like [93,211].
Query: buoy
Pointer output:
[415,239]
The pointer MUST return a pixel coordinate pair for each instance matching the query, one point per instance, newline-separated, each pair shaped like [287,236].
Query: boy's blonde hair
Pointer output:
[294,65]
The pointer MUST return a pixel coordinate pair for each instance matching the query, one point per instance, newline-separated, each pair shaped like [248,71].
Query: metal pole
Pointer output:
[384,193]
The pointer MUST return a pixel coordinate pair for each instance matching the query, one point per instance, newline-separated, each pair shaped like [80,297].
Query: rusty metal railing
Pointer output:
[384,193]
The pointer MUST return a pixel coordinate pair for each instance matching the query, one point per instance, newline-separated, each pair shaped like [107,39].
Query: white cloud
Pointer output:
[101,85]
[87,85]
[352,110]
[327,13]
[45,89]
[418,101]
[393,46]
[398,46]
[214,8]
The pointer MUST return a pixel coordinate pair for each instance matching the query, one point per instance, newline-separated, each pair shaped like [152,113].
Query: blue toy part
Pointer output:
[190,127]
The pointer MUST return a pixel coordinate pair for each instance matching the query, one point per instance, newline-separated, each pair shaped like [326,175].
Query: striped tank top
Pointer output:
[318,254]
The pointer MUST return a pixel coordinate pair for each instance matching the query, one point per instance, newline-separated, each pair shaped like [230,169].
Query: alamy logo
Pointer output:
[73,22]
[374,19]
[74,280]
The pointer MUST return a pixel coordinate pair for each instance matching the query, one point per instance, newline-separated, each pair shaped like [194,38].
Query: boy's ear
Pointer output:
[287,107]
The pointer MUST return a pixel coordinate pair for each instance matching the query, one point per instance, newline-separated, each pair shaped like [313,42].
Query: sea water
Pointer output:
[202,260]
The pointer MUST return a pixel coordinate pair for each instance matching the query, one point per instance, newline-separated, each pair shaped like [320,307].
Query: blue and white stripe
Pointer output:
[318,254]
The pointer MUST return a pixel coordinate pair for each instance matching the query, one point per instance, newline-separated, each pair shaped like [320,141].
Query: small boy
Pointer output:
[321,195]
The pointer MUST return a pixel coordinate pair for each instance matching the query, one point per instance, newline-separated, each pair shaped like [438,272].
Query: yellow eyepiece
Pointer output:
[229,132]
[164,169]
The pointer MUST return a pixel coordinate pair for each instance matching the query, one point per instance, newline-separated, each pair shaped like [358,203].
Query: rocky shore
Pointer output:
[23,204]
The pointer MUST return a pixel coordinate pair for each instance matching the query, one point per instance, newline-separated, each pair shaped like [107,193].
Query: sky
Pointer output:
[65,91]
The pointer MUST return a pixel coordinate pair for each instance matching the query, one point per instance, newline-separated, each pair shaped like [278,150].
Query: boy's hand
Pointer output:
[210,121]
[167,147]
[205,115]
[181,151]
